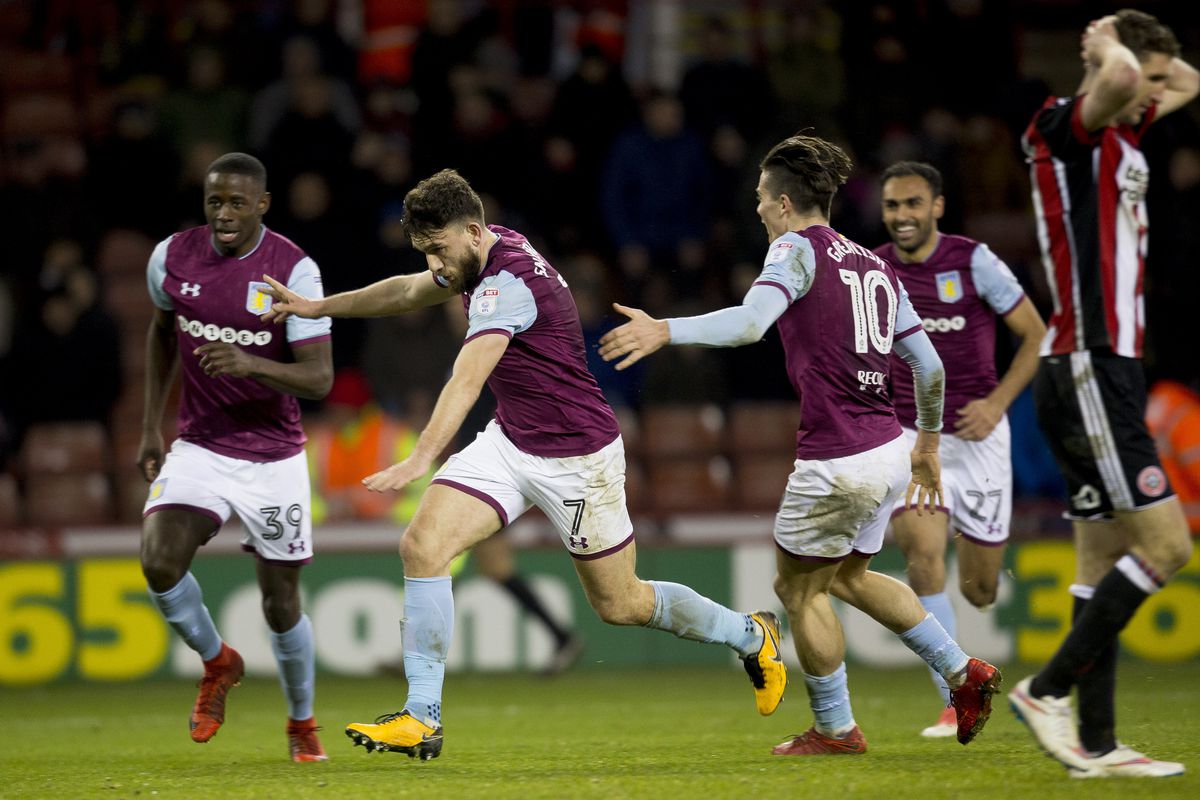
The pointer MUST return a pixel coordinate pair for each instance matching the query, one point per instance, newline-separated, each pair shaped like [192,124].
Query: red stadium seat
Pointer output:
[679,486]
[41,114]
[682,430]
[759,480]
[763,427]
[68,499]
[10,501]
[33,70]
[60,448]
[124,252]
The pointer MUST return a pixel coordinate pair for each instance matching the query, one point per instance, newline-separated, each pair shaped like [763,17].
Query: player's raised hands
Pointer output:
[1097,37]
[288,302]
[636,339]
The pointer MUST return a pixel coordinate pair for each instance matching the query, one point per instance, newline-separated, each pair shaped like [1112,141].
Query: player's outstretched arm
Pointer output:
[636,339]
[161,363]
[474,364]
[388,297]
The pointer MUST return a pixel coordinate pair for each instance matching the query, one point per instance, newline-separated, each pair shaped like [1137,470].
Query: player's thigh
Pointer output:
[1098,545]
[978,480]
[273,501]
[489,470]
[833,507]
[613,589]
[448,521]
[194,480]
[584,499]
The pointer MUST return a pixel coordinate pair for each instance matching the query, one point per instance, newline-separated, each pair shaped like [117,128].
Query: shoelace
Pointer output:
[386,718]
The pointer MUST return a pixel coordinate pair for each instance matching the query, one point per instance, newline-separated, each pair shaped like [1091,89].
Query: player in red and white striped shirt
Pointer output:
[1089,187]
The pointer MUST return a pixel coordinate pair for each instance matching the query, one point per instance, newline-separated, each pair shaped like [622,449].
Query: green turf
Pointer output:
[595,733]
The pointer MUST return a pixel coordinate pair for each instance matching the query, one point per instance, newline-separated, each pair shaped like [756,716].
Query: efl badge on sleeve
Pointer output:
[257,301]
[949,286]
[486,302]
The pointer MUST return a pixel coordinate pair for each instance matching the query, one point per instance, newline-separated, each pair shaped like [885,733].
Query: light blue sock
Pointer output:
[939,605]
[929,640]
[295,655]
[428,624]
[830,701]
[183,607]
[690,615]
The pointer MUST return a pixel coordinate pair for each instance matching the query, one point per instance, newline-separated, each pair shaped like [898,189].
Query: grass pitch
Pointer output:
[594,733]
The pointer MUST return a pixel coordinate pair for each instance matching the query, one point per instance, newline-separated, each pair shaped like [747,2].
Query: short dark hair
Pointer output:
[807,169]
[1143,34]
[439,201]
[903,169]
[240,164]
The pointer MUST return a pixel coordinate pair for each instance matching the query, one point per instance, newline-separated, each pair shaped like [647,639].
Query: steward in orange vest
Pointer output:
[1173,417]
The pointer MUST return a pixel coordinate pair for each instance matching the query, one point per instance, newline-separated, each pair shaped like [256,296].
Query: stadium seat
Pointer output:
[60,448]
[125,252]
[10,501]
[68,499]
[685,485]
[759,480]
[24,70]
[40,114]
[682,430]
[763,427]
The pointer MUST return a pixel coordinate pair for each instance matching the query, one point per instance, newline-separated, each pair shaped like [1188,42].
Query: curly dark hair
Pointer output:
[807,169]
[1143,34]
[240,164]
[904,169]
[439,201]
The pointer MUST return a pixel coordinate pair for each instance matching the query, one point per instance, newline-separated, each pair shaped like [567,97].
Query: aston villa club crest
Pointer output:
[949,286]
[258,302]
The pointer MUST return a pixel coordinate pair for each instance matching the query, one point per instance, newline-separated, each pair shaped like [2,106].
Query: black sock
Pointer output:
[529,601]
[1103,618]
[1097,690]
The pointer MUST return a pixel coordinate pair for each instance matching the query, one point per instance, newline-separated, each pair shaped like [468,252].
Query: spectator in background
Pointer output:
[119,192]
[656,199]
[806,71]
[206,107]
[301,63]
[71,343]
[722,91]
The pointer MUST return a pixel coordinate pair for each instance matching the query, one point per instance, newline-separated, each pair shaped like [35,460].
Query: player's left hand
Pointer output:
[977,419]
[926,481]
[636,339]
[397,476]
[222,358]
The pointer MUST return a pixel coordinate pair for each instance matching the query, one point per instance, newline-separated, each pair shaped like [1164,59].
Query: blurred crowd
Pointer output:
[621,136]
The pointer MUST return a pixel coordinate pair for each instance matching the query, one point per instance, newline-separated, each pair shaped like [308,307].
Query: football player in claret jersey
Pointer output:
[958,287]
[240,448]
[553,443]
[840,311]
[1089,180]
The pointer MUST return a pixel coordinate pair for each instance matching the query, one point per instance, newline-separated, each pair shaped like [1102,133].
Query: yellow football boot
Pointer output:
[765,667]
[398,733]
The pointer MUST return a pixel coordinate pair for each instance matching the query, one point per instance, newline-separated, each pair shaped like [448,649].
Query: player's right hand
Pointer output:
[150,456]
[926,483]
[287,302]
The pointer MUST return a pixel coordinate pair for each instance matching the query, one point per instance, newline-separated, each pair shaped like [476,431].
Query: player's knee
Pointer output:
[1175,553]
[421,555]
[979,593]
[616,609]
[160,571]
[281,610]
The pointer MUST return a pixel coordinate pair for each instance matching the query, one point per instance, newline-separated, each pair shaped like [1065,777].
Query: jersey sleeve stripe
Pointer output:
[477,334]
[324,337]
[778,286]
[907,332]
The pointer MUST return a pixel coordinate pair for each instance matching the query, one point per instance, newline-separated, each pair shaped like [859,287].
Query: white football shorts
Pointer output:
[837,506]
[583,496]
[271,498]
[976,483]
